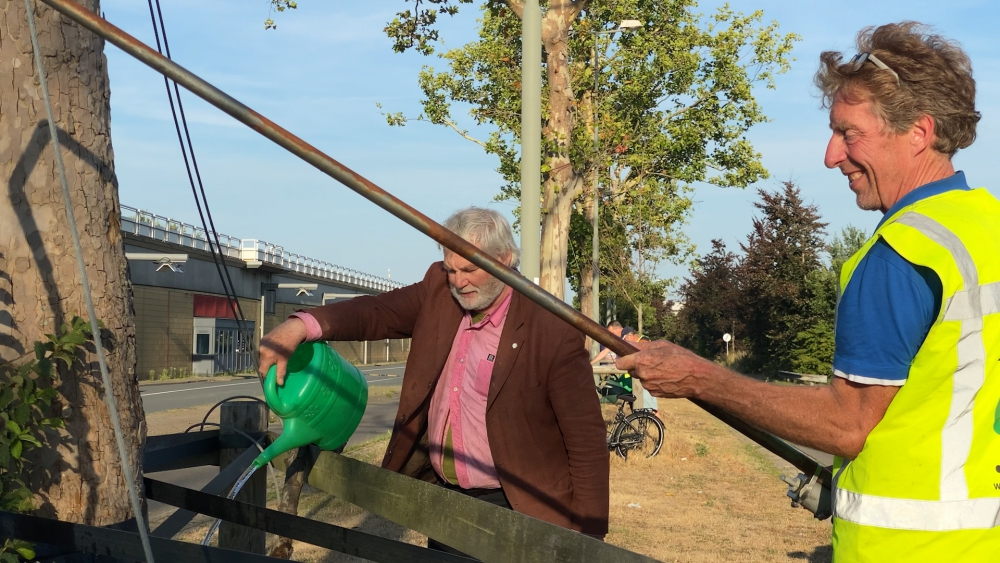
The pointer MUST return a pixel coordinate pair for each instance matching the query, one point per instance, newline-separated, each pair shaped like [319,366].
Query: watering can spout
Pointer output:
[282,444]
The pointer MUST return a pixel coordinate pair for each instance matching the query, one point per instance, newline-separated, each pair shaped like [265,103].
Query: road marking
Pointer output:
[141,394]
[196,388]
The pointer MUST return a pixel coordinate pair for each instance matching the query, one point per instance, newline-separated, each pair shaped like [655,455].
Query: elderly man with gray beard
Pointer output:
[498,397]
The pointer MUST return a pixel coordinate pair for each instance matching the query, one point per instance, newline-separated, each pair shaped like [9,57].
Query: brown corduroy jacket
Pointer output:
[543,418]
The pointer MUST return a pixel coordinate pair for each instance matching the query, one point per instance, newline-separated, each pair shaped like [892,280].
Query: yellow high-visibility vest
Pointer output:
[926,485]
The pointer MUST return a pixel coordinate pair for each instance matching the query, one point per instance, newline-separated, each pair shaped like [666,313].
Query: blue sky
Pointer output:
[321,73]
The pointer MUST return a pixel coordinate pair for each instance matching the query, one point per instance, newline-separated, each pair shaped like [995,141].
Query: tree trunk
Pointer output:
[562,184]
[296,472]
[587,280]
[76,476]
[638,311]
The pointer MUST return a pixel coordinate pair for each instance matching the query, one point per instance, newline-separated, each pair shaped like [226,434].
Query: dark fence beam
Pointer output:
[219,485]
[336,538]
[121,546]
[181,451]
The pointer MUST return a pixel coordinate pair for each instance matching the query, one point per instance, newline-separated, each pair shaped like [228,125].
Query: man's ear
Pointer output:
[923,134]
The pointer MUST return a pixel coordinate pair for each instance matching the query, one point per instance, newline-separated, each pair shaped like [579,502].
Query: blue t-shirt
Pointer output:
[888,306]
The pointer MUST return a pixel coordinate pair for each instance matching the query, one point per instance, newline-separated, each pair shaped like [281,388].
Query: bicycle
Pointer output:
[639,431]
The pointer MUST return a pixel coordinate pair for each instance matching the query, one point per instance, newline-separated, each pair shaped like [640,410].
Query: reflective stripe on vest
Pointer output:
[956,437]
[955,510]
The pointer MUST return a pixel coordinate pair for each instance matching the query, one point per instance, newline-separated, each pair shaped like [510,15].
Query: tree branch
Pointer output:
[685,109]
[464,134]
[516,7]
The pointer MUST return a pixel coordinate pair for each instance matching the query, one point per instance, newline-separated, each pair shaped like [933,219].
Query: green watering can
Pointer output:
[321,402]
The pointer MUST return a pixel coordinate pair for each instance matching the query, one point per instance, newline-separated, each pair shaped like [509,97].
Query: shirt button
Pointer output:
[514,345]
[455,389]
[461,361]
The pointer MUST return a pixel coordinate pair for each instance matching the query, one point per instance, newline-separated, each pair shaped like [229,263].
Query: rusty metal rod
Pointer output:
[400,209]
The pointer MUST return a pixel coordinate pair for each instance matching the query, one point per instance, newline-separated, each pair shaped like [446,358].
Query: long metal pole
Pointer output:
[595,258]
[531,139]
[407,214]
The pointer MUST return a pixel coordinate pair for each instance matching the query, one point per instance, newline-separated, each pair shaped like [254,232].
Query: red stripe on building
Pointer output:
[213,306]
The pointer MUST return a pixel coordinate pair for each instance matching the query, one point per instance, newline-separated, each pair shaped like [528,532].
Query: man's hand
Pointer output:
[278,345]
[668,370]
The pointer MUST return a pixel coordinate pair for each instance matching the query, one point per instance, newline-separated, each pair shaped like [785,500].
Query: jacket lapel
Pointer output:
[511,343]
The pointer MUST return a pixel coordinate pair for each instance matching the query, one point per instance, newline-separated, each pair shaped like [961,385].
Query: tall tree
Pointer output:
[812,351]
[673,102]
[635,240]
[782,252]
[711,297]
[76,476]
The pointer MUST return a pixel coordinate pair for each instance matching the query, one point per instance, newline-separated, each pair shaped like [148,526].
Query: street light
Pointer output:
[172,262]
[625,25]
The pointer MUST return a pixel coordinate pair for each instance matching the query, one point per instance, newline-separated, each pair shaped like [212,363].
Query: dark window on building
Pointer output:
[202,344]
[270,296]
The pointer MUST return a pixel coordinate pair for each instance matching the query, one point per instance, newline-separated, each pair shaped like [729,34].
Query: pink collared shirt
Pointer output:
[459,400]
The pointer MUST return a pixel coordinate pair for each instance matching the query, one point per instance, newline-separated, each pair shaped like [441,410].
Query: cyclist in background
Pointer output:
[648,401]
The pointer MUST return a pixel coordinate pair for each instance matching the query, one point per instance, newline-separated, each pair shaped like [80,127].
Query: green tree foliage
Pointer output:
[414,29]
[711,303]
[779,296]
[813,347]
[673,101]
[780,254]
[278,6]
[26,394]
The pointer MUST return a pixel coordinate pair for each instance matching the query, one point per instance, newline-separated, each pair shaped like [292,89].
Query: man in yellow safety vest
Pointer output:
[913,414]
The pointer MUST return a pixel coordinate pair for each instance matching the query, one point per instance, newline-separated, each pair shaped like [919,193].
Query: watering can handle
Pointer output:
[271,390]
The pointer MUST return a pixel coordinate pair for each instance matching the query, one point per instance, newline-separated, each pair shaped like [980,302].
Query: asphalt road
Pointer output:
[168,396]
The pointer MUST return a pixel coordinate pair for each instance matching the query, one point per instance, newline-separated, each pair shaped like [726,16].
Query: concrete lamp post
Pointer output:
[625,25]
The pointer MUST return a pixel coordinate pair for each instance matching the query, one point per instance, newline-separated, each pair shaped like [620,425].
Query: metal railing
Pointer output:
[146,224]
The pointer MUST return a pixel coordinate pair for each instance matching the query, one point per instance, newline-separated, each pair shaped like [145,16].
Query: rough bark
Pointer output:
[587,278]
[77,476]
[295,476]
[562,184]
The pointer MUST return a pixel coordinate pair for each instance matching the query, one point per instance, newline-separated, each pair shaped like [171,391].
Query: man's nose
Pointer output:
[835,152]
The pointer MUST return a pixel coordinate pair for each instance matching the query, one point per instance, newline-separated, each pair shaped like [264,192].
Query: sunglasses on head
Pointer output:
[861,58]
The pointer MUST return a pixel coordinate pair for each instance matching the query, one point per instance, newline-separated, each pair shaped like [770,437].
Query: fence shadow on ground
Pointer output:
[822,554]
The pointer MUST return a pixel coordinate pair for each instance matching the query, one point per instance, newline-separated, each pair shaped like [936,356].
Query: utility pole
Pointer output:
[531,139]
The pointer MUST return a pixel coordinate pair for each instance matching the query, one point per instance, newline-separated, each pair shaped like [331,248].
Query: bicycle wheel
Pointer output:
[641,432]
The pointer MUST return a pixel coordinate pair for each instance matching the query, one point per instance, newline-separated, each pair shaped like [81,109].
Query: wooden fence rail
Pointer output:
[115,545]
[337,538]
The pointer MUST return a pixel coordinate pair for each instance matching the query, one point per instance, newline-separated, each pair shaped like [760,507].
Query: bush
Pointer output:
[26,393]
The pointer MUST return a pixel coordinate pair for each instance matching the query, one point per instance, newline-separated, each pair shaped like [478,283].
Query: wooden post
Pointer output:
[250,417]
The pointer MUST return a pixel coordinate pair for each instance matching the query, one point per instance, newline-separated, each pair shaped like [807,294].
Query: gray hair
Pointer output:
[486,229]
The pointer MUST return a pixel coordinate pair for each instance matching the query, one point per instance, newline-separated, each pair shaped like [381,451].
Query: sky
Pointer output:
[321,73]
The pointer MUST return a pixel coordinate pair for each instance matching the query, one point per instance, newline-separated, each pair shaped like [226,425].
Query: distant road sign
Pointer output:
[727,337]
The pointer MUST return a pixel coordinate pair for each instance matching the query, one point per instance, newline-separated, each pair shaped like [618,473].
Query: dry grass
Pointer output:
[710,495]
